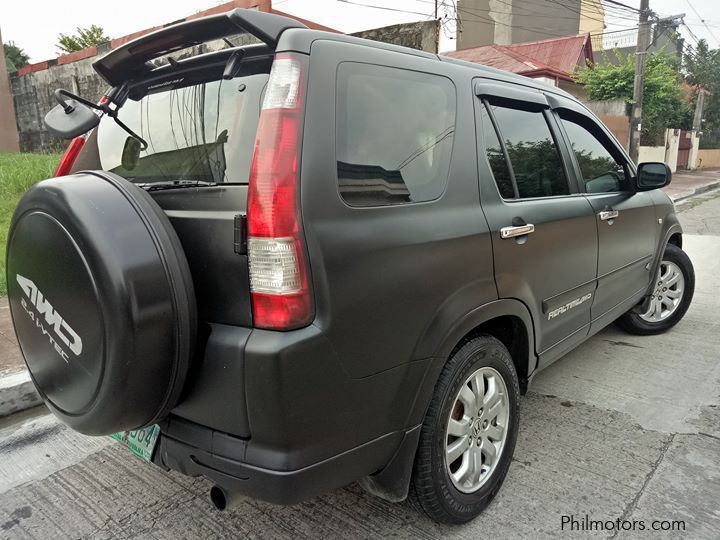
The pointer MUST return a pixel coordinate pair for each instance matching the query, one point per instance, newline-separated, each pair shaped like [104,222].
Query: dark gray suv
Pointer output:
[299,259]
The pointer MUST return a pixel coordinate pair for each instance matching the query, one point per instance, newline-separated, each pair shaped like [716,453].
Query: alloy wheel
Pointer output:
[477,429]
[667,295]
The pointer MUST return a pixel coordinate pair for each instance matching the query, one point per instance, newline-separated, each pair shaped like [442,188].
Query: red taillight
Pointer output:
[279,280]
[70,155]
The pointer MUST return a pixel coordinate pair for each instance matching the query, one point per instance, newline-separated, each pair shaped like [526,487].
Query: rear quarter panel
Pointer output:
[383,276]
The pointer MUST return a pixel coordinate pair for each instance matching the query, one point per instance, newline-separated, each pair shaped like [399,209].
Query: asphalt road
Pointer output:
[623,427]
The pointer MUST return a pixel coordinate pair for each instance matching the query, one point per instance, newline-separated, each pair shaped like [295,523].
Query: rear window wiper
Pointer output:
[174,184]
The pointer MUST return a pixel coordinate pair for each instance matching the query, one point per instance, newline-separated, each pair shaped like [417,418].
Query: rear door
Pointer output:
[625,219]
[543,231]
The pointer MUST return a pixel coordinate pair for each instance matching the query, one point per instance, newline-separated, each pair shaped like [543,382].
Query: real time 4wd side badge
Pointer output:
[562,309]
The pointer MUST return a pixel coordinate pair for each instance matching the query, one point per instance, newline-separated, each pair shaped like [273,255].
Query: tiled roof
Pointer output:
[556,57]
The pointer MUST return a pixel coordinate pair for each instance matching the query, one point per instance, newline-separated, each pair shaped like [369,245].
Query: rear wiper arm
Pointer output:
[174,184]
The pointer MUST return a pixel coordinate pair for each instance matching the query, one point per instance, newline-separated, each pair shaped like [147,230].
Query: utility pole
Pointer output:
[699,106]
[437,29]
[643,44]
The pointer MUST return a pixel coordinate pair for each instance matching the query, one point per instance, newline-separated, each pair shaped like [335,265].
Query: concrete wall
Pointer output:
[708,159]
[33,95]
[694,159]
[8,129]
[665,153]
[420,35]
[672,146]
[618,126]
[613,113]
[504,22]
[592,17]
[651,153]
[573,88]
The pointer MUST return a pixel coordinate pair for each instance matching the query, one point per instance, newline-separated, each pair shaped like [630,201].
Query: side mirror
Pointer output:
[71,117]
[652,175]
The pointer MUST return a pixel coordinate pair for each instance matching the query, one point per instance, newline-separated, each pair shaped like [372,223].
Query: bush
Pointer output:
[666,104]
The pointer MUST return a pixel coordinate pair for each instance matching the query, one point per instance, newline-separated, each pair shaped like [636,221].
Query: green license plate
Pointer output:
[141,442]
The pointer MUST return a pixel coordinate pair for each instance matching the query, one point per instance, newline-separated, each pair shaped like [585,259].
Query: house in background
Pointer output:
[505,22]
[614,47]
[552,61]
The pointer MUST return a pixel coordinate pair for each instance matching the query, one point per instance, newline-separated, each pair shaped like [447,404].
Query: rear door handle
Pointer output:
[519,230]
[608,214]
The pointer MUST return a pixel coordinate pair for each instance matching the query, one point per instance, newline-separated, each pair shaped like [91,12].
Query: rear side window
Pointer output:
[394,134]
[202,133]
[536,165]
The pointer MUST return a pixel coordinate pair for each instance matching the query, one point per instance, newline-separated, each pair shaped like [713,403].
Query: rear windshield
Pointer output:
[200,133]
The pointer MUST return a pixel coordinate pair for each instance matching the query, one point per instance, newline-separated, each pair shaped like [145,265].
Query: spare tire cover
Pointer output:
[102,301]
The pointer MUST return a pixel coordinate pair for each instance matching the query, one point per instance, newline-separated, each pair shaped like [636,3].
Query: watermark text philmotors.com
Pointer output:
[584,522]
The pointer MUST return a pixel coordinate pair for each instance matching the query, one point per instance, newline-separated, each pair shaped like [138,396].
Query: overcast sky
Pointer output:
[35,25]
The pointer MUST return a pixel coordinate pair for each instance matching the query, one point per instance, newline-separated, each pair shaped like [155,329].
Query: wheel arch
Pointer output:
[506,319]
[675,239]
[673,235]
[509,321]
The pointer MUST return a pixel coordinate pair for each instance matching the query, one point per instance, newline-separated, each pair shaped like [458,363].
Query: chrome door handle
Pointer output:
[520,230]
[608,214]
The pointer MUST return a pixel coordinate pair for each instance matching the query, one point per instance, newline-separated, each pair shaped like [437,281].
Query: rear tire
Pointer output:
[672,295]
[476,401]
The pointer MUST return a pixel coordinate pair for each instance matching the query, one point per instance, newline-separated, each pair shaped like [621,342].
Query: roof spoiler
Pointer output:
[129,61]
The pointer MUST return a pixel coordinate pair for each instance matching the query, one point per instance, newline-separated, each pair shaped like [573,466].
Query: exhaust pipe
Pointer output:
[223,499]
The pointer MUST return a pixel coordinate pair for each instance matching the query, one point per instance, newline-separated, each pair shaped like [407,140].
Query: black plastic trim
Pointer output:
[195,450]
[130,60]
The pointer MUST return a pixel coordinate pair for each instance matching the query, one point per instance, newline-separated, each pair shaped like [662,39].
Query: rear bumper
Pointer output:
[196,450]
[276,416]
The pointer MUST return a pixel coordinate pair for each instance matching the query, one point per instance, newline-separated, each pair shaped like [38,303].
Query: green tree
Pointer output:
[665,103]
[15,57]
[702,68]
[85,37]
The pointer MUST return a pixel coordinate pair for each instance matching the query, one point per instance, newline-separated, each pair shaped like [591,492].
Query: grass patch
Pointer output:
[17,173]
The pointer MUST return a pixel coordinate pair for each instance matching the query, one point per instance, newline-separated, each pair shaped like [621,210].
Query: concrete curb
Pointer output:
[697,191]
[17,393]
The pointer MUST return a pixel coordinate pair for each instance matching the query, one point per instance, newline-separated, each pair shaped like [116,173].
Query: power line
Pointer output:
[383,8]
[614,2]
[703,21]
[692,34]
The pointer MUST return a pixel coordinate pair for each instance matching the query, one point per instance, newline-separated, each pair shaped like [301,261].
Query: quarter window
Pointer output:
[496,157]
[601,172]
[537,168]
[395,131]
